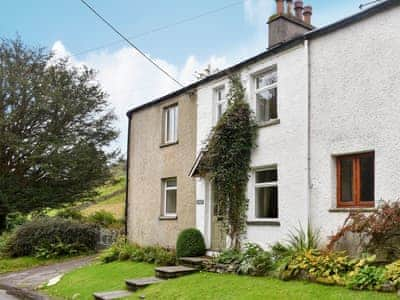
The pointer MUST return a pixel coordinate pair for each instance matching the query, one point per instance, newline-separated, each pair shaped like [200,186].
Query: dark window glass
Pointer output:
[367,178]
[267,176]
[267,202]
[347,179]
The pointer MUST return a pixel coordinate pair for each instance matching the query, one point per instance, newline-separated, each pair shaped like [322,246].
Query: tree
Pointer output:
[227,160]
[54,125]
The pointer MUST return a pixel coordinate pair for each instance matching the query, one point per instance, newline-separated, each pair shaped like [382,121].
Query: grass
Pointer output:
[22,263]
[82,283]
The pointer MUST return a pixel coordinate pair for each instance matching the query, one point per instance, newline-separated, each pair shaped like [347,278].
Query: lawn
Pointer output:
[22,263]
[106,277]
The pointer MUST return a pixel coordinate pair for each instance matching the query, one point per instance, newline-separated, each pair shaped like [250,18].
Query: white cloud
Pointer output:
[257,12]
[130,80]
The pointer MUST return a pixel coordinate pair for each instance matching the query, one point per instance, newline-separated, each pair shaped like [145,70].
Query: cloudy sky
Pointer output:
[183,36]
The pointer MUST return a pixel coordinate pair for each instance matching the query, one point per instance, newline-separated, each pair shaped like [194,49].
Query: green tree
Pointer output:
[54,124]
[227,161]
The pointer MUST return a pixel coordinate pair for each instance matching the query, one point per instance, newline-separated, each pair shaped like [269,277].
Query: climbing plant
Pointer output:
[227,161]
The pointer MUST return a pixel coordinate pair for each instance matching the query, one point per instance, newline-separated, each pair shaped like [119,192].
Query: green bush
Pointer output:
[190,243]
[103,218]
[229,256]
[59,249]
[255,261]
[43,232]
[14,220]
[392,273]
[122,250]
[368,278]
[70,213]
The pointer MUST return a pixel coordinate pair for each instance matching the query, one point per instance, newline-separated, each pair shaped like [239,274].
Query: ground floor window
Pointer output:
[356,180]
[169,196]
[266,193]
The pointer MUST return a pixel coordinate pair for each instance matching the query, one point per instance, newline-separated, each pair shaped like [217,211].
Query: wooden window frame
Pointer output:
[268,87]
[165,126]
[166,189]
[265,184]
[356,203]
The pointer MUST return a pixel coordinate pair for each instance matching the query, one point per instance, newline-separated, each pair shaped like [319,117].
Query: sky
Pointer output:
[170,32]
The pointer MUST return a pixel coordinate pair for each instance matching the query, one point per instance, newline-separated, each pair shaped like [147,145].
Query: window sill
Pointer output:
[163,145]
[268,123]
[353,209]
[168,218]
[264,223]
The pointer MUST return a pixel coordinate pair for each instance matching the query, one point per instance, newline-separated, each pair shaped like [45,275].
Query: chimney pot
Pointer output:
[279,7]
[289,7]
[298,7]
[307,13]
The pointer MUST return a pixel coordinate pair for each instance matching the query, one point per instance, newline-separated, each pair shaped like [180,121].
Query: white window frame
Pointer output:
[166,189]
[263,185]
[265,88]
[166,114]
[218,102]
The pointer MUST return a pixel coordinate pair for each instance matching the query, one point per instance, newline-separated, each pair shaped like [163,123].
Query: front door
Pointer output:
[218,234]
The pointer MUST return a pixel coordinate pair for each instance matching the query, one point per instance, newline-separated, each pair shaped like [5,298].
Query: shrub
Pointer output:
[323,267]
[229,256]
[103,218]
[14,220]
[255,261]
[70,213]
[122,250]
[190,243]
[379,231]
[59,249]
[44,232]
[368,277]
[392,273]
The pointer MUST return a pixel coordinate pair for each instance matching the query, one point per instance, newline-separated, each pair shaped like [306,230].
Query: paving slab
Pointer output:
[111,295]
[135,284]
[173,272]
[5,296]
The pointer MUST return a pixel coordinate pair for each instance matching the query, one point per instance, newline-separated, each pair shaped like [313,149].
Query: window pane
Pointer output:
[267,105]
[171,182]
[171,124]
[267,176]
[267,202]
[347,179]
[266,79]
[367,178]
[170,203]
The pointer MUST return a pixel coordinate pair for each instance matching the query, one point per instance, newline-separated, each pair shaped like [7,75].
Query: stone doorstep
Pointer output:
[111,295]
[135,284]
[173,272]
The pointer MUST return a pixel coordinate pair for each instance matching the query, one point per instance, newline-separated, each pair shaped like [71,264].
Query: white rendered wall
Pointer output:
[284,144]
[355,94]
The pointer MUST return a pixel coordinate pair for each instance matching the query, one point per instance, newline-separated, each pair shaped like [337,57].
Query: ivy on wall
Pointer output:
[227,161]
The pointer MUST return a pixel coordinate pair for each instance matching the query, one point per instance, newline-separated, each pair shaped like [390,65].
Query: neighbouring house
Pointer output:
[328,137]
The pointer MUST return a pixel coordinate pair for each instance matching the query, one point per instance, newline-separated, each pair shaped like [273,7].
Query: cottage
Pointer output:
[325,104]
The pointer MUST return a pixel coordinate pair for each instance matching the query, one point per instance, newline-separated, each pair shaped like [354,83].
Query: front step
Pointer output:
[111,295]
[193,262]
[174,272]
[135,284]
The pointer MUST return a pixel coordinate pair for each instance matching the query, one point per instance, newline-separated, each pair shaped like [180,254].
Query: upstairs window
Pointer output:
[266,193]
[221,103]
[171,124]
[169,201]
[266,92]
[356,180]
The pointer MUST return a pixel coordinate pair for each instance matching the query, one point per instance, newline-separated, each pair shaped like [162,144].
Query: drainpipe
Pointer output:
[308,88]
[127,175]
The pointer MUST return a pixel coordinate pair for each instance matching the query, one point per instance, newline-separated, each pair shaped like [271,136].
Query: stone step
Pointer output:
[174,272]
[193,262]
[135,284]
[111,295]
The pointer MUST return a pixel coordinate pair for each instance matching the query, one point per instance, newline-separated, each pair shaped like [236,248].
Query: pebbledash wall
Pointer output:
[355,94]
[283,144]
[149,163]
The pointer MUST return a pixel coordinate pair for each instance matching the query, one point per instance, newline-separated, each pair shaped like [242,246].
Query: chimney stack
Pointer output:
[289,7]
[298,7]
[307,13]
[279,7]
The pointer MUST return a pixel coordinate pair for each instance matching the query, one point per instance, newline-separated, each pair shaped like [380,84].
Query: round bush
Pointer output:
[46,231]
[190,243]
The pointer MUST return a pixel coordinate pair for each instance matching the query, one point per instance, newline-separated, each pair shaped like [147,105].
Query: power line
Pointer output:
[131,44]
[161,28]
